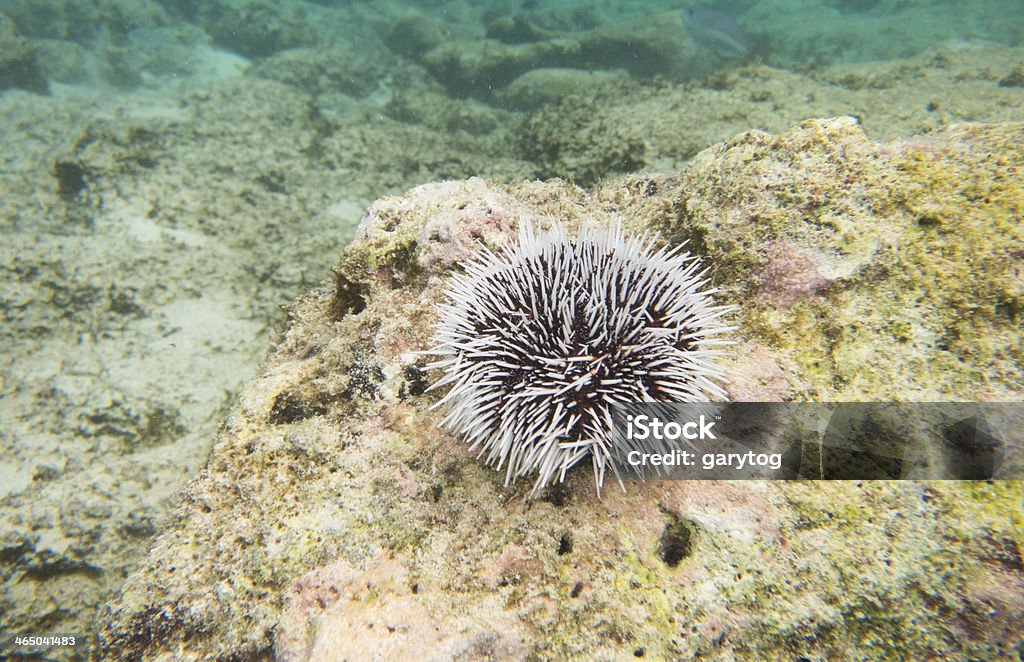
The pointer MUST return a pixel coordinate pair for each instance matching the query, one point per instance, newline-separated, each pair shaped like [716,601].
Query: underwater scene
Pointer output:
[339,329]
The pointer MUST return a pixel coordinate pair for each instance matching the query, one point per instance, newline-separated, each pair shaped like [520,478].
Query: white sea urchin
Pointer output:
[540,341]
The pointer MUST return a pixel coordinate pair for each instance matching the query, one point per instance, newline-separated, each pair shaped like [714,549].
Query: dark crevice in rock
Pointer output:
[676,542]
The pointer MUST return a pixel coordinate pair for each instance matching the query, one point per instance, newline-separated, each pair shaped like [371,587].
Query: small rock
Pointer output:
[413,34]
[1013,79]
[546,85]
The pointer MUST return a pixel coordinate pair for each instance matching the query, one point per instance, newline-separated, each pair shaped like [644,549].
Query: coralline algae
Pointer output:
[354,515]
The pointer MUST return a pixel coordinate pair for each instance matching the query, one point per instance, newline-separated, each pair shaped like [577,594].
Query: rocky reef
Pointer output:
[332,514]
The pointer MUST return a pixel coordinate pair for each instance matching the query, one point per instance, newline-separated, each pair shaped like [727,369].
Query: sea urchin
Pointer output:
[541,340]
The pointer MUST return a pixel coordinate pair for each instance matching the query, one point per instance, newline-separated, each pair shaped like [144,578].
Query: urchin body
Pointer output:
[540,341]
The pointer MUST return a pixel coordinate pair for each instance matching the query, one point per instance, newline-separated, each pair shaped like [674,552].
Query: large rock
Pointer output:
[334,516]
[257,29]
[646,47]
[18,65]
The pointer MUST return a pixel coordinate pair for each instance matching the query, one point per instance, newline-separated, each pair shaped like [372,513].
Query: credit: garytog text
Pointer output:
[817,440]
[707,461]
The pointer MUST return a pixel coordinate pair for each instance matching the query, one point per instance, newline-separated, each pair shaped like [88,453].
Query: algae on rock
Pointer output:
[334,515]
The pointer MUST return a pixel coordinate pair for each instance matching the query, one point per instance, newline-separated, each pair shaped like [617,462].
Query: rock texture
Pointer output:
[18,66]
[334,516]
[614,129]
[151,243]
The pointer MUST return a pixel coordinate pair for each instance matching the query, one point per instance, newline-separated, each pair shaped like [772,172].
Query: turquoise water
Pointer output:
[173,173]
[128,44]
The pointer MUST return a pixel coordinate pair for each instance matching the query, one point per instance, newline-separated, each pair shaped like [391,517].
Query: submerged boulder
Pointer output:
[333,515]
[18,65]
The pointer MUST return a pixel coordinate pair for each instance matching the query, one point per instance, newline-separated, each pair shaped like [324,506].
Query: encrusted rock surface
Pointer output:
[151,243]
[615,129]
[334,516]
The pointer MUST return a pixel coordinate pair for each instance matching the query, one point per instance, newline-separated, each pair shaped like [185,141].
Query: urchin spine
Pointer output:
[539,341]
